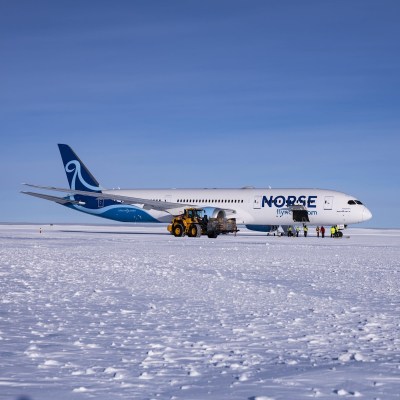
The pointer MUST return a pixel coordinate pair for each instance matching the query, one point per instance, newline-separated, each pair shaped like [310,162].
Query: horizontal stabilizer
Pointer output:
[59,200]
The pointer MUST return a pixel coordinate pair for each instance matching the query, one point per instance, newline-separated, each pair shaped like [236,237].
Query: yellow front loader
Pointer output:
[193,224]
[190,223]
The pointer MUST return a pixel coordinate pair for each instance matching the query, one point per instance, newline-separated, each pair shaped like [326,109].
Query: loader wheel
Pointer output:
[178,230]
[198,227]
[194,230]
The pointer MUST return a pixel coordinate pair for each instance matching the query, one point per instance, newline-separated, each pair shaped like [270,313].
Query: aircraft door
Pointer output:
[168,198]
[257,202]
[328,203]
[100,203]
[300,216]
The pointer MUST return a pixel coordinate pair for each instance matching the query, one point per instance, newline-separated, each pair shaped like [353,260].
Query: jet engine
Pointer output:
[213,212]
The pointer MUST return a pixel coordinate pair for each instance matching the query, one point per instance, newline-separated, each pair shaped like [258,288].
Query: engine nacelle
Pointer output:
[213,212]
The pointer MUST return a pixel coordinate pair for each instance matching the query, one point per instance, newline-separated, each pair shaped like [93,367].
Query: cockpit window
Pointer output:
[352,202]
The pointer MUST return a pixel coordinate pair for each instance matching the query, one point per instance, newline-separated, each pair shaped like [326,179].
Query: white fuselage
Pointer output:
[261,206]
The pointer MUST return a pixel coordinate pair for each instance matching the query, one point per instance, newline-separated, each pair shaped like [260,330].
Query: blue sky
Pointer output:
[201,94]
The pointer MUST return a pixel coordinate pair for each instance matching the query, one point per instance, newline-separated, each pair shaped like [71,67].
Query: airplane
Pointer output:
[262,209]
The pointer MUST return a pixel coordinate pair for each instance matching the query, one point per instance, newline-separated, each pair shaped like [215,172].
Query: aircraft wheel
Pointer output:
[178,230]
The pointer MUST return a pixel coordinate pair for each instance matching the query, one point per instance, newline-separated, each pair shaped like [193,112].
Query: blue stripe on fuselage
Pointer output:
[117,213]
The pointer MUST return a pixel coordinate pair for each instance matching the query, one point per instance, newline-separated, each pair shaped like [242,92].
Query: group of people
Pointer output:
[335,232]
[297,230]
[319,230]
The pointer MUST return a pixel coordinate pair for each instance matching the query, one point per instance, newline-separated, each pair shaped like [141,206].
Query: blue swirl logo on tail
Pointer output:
[74,167]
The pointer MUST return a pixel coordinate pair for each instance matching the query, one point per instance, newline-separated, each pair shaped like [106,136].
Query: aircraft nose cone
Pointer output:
[366,214]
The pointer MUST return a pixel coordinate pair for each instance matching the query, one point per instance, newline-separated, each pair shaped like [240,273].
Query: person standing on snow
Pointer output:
[317,230]
[305,229]
[322,231]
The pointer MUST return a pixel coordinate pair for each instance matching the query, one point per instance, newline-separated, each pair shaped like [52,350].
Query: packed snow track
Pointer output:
[130,312]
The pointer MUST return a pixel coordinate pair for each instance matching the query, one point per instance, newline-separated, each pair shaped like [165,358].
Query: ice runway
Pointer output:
[106,312]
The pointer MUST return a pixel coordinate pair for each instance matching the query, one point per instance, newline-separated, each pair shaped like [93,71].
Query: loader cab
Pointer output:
[193,213]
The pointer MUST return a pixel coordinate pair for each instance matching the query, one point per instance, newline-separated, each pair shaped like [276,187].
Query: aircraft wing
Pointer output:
[172,208]
[147,204]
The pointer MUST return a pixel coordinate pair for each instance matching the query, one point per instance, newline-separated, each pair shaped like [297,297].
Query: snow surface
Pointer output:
[130,312]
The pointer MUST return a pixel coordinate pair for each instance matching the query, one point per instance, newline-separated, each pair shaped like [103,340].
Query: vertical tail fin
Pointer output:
[79,177]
